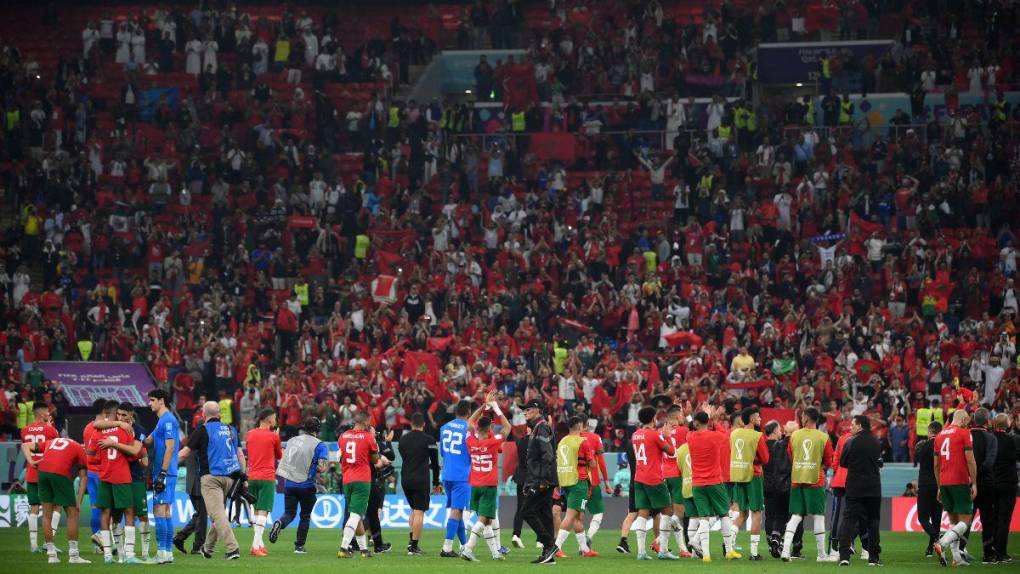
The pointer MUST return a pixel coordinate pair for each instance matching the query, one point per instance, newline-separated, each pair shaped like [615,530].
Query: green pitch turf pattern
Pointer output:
[903,552]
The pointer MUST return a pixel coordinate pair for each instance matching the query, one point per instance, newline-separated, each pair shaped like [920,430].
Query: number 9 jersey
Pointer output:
[356,448]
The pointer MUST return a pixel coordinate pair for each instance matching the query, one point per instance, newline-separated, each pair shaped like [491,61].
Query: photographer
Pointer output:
[304,457]
[220,462]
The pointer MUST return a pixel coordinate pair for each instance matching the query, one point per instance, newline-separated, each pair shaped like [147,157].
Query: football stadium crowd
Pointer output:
[280,230]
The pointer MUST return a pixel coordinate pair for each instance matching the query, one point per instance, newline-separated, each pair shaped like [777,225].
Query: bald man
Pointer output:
[220,462]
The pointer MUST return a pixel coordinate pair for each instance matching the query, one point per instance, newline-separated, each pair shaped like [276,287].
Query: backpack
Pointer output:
[777,470]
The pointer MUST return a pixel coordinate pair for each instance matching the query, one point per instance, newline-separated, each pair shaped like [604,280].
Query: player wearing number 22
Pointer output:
[38,432]
[483,447]
[358,452]
[116,449]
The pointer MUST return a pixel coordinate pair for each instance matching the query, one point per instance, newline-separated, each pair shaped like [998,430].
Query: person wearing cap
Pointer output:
[538,489]
[304,457]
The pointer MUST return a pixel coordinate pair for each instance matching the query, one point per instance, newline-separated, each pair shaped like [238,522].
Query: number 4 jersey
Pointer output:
[484,454]
[951,446]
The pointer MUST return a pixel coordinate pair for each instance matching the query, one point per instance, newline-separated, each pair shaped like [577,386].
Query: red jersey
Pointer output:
[89,441]
[950,446]
[839,477]
[264,449]
[595,442]
[114,466]
[61,456]
[648,448]
[356,448]
[36,433]
[676,438]
[724,456]
[484,459]
[707,448]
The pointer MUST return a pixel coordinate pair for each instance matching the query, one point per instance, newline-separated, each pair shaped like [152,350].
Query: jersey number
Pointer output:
[452,441]
[944,450]
[111,453]
[351,448]
[59,444]
[639,454]
[481,462]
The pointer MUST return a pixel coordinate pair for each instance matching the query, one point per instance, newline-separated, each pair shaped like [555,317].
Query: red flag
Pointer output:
[575,325]
[866,367]
[857,223]
[782,415]
[389,262]
[384,289]
[424,365]
[558,146]
[438,343]
[761,384]
[684,338]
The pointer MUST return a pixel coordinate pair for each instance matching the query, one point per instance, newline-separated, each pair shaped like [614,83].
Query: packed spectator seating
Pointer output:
[273,229]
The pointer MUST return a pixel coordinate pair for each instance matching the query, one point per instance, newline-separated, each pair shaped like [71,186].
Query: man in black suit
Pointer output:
[929,509]
[1005,479]
[862,457]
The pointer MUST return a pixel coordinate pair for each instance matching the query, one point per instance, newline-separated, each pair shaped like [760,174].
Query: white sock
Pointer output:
[755,538]
[952,539]
[703,530]
[728,536]
[735,524]
[72,547]
[55,521]
[447,545]
[582,541]
[692,533]
[349,529]
[143,533]
[51,549]
[107,539]
[33,529]
[363,542]
[819,530]
[593,526]
[791,529]
[476,531]
[678,533]
[129,541]
[640,528]
[494,525]
[491,540]
[561,537]
[665,528]
[260,528]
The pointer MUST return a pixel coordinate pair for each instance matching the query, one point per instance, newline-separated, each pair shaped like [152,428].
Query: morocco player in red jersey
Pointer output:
[104,410]
[676,436]
[650,491]
[358,452]
[707,446]
[484,447]
[264,451]
[599,483]
[116,449]
[61,460]
[38,432]
[956,473]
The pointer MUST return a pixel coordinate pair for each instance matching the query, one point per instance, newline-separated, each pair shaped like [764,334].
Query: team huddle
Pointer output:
[692,473]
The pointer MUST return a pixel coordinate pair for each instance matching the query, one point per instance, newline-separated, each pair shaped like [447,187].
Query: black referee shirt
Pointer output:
[419,454]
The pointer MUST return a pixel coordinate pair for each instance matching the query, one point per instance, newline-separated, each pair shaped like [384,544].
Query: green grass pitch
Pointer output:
[902,552]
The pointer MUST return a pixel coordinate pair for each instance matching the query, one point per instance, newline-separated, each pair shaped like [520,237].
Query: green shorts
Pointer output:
[750,495]
[956,499]
[32,490]
[140,503]
[595,503]
[264,492]
[675,486]
[730,486]
[356,497]
[577,495]
[56,489]
[805,500]
[711,500]
[483,500]
[690,509]
[651,496]
[115,496]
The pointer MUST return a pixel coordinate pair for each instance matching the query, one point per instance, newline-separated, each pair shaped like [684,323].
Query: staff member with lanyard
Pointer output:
[220,461]
[538,489]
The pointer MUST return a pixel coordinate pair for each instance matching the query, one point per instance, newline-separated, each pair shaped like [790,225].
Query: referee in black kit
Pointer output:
[420,456]
[929,509]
